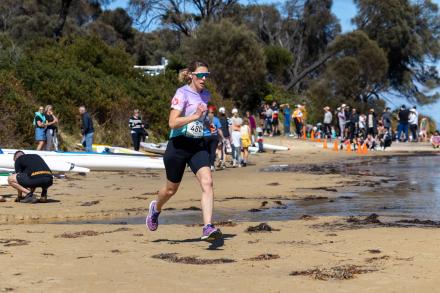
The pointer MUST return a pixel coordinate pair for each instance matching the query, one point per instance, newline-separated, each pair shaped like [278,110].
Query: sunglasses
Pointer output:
[201,75]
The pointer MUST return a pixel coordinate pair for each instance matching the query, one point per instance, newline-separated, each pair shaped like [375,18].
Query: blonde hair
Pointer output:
[246,121]
[185,74]
[47,108]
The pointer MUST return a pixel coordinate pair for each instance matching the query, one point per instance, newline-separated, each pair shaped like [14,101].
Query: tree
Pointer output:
[409,34]
[304,28]
[357,74]
[183,15]
[65,8]
[235,58]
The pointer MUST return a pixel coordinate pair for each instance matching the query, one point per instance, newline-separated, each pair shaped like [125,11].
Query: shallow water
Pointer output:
[410,188]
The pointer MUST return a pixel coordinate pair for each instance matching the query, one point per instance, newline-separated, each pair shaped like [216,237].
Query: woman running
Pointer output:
[186,146]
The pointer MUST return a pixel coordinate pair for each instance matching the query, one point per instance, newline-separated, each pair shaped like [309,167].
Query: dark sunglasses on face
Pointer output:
[201,75]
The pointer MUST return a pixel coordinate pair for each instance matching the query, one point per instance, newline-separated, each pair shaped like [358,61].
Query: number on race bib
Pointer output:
[194,129]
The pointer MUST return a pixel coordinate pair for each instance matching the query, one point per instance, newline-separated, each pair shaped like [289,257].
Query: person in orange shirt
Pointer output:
[297,117]
[304,116]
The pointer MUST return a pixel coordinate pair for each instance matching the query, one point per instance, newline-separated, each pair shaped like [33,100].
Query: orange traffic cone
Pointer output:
[359,148]
[348,147]
[312,135]
[304,135]
[335,146]
[365,149]
[324,145]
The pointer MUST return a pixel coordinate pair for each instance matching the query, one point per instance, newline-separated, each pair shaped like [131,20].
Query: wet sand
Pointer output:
[324,254]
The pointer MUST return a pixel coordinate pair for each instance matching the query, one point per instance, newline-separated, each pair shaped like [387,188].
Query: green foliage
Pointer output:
[278,59]
[85,71]
[356,75]
[17,112]
[409,34]
[235,57]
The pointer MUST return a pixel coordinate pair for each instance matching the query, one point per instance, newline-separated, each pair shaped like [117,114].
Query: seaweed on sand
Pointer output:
[344,272]
[193,260]
[264,256]
[262,227]
[14,242]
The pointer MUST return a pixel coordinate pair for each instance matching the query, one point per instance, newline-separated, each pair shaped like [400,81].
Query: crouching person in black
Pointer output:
[30,172]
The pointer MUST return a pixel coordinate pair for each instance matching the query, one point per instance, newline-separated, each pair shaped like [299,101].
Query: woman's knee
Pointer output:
[206,182]
[170,190]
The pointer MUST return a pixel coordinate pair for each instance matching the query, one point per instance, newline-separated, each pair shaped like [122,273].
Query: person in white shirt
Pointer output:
[413,123]
[236,123]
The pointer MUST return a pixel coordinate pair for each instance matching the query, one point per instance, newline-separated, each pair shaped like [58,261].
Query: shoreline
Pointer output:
[111,195]
[307,252]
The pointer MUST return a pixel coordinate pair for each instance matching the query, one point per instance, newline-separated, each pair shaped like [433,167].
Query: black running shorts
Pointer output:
[32,182]
[183,150]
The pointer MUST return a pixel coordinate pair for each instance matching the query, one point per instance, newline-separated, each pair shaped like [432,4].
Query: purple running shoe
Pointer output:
[211,233]
[152,220]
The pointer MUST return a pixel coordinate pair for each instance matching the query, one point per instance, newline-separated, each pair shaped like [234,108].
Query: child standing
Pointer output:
[245,131]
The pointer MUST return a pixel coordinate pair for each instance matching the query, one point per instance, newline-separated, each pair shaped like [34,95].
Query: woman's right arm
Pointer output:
[176,121]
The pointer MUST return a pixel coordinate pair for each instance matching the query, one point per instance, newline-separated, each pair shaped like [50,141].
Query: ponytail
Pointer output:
[185,75]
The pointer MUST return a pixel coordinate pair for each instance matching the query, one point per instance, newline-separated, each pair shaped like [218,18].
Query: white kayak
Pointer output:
[102,148]
[155,148]
[4,178]
[269,147]
[97,161]
[7,162]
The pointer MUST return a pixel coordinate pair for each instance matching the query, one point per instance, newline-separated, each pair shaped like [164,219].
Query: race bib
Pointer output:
[194,129]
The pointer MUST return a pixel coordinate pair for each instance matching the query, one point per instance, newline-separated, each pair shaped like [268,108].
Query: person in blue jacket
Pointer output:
[212,130]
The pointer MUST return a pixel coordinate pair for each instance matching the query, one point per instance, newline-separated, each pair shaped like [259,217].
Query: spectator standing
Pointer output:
[386,118]
[423,134]
[136,129]
[212,130]
[403,117]
[328,117]
[298,119]
[287,118]
[354,124]
[236,123]
[226,147]
[363,126]
[245,131]
[40,128]
[275,116]
[87,129]
[342,121]
[51,129]
[268,112]
[372,123]
[413,123]
[252,125]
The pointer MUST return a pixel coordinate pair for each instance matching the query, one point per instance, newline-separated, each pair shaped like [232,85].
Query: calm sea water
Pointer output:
[413,191]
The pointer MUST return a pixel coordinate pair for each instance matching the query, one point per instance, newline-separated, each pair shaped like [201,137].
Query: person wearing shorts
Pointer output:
[31,172]
[40,128]
[186,147]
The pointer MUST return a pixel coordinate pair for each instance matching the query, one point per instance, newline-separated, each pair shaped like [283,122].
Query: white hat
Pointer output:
[234,111]
[343,105]
[222,110]
[412,110]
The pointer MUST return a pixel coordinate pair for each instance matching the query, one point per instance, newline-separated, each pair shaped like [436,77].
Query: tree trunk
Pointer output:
[58,31]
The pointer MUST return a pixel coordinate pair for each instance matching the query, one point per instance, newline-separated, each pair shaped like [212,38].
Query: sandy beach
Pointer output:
[302,254]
